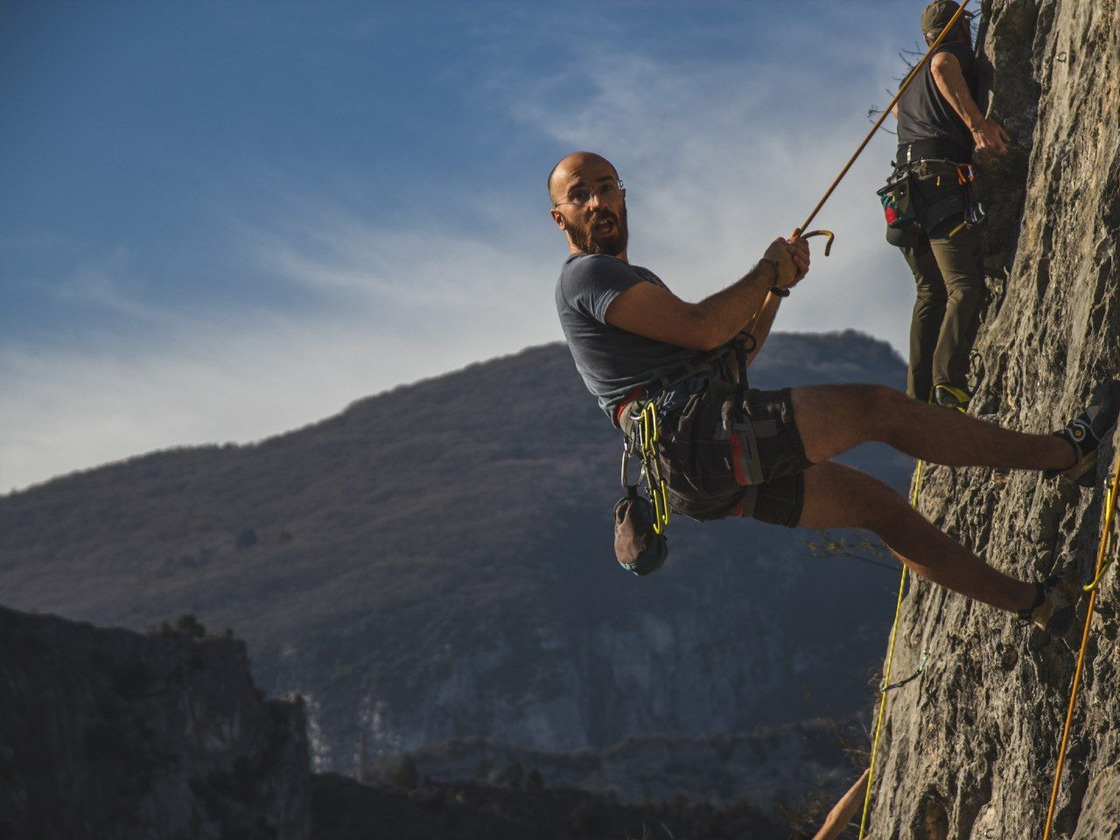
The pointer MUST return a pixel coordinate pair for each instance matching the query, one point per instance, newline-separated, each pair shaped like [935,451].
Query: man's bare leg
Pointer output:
[834,418]
[841,497]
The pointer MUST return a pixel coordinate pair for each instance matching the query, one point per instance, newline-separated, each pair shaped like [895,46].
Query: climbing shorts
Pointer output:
[721,461]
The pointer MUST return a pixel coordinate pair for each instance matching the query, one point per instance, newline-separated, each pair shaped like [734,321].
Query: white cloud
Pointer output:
[718,158]
[392,308]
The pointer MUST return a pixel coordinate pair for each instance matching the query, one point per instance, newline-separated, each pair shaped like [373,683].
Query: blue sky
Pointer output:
[223,221]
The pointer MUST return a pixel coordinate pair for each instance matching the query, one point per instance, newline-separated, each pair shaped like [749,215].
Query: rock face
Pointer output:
[772,768]
[113,734]
[970,747]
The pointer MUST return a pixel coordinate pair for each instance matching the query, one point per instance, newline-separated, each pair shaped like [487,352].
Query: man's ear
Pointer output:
[558,217]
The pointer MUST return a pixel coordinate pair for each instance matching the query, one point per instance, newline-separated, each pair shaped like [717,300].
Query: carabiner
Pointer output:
[660,499]
[665,509]
[1106,536]
[649,427]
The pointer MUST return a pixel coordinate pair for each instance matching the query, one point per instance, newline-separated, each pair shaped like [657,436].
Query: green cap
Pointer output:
[937,14]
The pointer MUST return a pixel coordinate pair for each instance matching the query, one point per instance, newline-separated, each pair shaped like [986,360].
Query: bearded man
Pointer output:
[766,454]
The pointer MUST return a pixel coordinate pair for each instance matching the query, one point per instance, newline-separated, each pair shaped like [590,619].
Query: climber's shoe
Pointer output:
[1058,594]
[950,396]
[1086,431]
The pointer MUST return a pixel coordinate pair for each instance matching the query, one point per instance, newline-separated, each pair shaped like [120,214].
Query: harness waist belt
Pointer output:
[935,148]
[623,415]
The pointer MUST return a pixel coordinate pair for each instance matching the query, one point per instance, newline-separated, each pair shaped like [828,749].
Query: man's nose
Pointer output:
[595,196]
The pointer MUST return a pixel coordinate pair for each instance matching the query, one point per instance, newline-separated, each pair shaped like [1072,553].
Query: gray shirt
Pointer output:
[612,361]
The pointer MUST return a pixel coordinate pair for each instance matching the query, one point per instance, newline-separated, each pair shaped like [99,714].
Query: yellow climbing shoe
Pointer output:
[951,396]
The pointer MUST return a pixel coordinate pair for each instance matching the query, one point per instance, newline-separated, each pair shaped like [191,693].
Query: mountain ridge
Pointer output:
[434,562]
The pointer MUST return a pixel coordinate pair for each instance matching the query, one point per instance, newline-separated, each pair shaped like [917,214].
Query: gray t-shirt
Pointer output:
[612,361]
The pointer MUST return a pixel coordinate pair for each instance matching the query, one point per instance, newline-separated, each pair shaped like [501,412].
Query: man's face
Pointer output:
[597,225]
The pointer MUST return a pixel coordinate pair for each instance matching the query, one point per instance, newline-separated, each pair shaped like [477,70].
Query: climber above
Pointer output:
[940,127]
[766,454]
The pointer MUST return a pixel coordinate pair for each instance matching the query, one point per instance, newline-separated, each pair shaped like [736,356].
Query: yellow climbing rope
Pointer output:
[887,671]
[1103,562]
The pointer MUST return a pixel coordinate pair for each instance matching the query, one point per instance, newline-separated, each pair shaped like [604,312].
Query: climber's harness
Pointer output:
[640,522]
[925,191]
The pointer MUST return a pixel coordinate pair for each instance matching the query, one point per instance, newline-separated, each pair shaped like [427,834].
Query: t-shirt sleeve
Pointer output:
[591,283]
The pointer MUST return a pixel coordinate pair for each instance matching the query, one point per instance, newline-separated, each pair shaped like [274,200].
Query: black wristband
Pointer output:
[777,276]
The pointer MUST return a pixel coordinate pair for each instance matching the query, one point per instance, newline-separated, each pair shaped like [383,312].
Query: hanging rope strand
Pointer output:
[887,671]
[1102,563]
[913,73]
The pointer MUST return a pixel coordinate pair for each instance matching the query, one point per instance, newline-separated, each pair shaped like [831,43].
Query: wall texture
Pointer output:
[970,746]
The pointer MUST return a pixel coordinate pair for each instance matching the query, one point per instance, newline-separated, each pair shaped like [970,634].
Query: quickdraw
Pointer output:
[656,486]
[974,210]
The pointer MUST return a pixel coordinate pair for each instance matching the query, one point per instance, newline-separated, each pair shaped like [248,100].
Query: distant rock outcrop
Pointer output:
[117,735]
[970,747]
[771,768]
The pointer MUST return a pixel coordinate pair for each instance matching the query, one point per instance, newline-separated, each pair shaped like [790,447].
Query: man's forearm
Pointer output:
[761,328]
[730,311]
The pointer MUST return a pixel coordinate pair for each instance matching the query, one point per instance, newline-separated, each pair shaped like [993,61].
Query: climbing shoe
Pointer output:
[1056,595]
[1087,430]
[950,396]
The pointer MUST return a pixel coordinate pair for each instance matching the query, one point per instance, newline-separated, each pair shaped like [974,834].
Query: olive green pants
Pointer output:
[949,275]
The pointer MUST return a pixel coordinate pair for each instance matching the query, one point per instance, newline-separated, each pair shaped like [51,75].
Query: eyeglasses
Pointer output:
[582,195]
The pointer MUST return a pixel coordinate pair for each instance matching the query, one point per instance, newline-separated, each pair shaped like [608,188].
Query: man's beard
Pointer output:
[613,245]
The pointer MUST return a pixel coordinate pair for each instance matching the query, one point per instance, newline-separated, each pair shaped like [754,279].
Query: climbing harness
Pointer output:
[1103,562]
[640,521]
[640,544]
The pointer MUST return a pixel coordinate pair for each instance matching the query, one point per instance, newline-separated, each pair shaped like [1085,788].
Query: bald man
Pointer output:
[766,454]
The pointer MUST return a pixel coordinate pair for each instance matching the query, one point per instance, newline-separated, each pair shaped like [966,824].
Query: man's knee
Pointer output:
[861,407]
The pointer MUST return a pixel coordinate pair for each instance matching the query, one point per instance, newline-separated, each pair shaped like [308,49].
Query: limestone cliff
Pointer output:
[970,747]
[113,734]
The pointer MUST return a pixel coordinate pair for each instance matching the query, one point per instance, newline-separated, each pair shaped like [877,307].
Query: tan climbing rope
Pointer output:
[902,89]
[1103,562]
